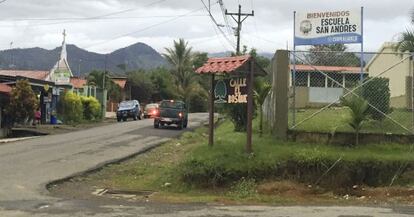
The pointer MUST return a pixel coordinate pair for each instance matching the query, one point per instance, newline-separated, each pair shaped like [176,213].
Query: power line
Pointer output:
[97,17]
[217,25]
[145,28]
[86,18]
[225,17]
[101,19]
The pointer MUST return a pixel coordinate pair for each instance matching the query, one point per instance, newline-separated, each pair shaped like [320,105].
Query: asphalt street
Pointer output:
[26,167]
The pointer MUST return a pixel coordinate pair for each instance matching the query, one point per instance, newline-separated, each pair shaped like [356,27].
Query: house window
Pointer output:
[317,79]
[351,80]
[335,80]
[301,79]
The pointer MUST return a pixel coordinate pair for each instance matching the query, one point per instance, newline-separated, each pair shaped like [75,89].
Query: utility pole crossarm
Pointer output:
[239,22]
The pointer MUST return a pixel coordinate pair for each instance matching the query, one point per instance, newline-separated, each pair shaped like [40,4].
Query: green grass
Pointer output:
[335,120]
[191,156]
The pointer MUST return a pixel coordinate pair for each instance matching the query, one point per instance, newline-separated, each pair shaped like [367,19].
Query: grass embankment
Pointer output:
[187,170]
[335,120]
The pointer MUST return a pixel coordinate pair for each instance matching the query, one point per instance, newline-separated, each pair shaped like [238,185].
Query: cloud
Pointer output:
[152,22]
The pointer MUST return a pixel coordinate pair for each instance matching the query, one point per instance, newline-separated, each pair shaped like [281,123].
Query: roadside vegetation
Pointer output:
[187,170]
[23,103]
[75,109]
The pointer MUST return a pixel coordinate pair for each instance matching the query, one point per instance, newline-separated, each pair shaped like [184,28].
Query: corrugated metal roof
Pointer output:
[5,88]
[341,69]
[39,75]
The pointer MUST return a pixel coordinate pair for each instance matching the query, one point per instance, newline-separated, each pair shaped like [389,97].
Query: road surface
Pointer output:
[27,166]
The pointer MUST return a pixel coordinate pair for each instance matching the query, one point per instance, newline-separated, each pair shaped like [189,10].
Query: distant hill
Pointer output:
[136,56]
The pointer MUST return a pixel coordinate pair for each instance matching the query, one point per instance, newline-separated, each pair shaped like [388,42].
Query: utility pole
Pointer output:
[104,74]
[239,20]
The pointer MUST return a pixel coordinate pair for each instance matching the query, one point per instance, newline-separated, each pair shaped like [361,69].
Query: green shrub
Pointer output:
[243,188]
[71,108]
[198,101]
[377,93]
[23,102]
[91,108]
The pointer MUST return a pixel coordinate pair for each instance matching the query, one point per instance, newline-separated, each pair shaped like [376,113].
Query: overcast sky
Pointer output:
[39,23]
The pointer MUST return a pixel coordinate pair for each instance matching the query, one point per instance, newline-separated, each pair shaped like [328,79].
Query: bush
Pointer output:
[91,108]
[71,108]
[198,101]
[377,93]
[23,102]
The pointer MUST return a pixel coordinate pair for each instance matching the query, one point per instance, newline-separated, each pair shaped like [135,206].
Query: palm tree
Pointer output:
[406,40]
[261,91]
[180,57]
[358,111]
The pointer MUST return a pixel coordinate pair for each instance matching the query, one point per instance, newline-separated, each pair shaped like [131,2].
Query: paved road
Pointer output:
[27,166]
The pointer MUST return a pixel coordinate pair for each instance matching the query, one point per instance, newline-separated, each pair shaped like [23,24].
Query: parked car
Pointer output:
[129,109]
[171,112]
[151,110]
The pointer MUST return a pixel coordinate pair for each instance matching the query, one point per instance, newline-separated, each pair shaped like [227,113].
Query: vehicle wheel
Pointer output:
[119,119]
[180,125]
[135,117]
[140,116]
[156,125]
[162,124]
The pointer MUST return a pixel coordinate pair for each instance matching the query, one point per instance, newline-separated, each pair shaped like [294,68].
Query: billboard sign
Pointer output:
[328,27]
[232,91]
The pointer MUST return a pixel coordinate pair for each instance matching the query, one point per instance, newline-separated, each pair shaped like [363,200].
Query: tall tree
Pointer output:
[331,55]
[262,89]
[406,40]
[180,57]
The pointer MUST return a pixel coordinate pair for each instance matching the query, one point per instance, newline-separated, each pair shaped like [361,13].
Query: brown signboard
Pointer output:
[231,90]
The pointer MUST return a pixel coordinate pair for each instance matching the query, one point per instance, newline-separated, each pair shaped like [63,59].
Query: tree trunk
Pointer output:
[261,123]
[357,137]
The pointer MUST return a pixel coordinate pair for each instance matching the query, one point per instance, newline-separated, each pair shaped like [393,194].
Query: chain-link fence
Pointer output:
[330,91]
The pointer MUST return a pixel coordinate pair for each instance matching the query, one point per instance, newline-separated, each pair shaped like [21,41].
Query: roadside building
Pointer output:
[5,91]
[44,90]
[397,67]
[315,89]
[81,87]
[126,93]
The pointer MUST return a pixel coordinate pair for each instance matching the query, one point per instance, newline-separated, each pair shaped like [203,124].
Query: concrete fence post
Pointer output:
[280,86]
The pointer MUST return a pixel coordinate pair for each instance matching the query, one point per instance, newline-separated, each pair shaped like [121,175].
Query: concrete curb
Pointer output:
[4,141]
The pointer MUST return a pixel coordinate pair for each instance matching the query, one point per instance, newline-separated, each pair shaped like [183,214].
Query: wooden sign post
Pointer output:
[237,88]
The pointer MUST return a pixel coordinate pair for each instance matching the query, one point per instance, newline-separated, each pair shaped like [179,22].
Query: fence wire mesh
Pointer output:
[329,90]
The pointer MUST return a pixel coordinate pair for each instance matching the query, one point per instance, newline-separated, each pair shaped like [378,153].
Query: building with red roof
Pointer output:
[317,86]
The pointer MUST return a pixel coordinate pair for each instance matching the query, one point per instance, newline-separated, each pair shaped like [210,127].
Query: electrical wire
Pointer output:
[145,28]
[226,18]
[217,25]
[100,20]
[89,18]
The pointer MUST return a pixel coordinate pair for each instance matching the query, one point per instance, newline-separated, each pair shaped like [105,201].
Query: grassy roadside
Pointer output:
[187,170]
[334,120]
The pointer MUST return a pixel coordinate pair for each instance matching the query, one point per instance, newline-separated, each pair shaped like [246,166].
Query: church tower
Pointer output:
[61,73]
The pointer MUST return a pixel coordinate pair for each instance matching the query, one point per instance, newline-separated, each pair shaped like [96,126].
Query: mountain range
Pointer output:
[81,61]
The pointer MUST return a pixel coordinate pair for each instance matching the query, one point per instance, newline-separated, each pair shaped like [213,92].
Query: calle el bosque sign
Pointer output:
[232,90]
